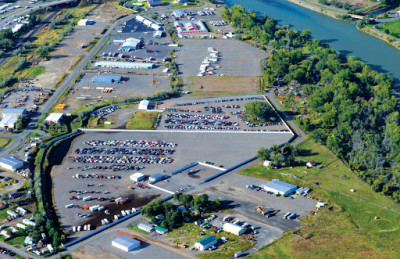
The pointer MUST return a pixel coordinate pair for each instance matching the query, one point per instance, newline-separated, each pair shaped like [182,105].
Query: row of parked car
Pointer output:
[126,151]
[96,176]
[196,116]
[5,251]
[115,168]
[198,127]
[130,143]
[122,159]
[105,111]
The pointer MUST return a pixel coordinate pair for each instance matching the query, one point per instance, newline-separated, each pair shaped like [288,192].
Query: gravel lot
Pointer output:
[245,62]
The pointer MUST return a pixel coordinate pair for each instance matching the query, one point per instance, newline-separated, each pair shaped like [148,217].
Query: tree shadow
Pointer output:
[307,152]
[228,204]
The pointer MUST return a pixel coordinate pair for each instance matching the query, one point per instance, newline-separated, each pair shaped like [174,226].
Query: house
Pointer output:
[205,243]
[54,118]
[125,243]
[137,177]
[11,163]
[28,222]
[311,164]
[143,105]
[12,214]
[107,79]
[181,208]
[233,228]
[160,217]
[278,187]
[160,230]
[146,227]
[154,3]
[21,211]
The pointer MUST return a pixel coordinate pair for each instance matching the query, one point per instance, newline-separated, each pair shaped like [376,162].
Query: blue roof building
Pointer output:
[279,187]
[205,243]
[107,79]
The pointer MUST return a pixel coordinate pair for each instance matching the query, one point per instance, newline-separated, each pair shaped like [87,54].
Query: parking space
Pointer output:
[217,115]
[231,62]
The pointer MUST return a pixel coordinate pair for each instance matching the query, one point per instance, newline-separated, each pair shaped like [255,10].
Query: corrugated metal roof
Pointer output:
[14,110]
[205,241]
[125,241]
[10,161]
[106,78]
[280,186]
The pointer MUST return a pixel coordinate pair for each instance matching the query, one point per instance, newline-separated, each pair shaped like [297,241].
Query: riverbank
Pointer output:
[321,10]
[382,36]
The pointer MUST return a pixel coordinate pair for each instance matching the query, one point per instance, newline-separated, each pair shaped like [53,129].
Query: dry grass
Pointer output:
[100,254]
[218,86]
[60,79]
[77,60]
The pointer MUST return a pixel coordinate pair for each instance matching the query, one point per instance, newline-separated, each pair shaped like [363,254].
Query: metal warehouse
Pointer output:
[279,187]
[146,227]
[233,228]
[106,79]
[137,177]
[120,64]
[130,44]
[125,243]
[187,27]
[205,243]
[157,177]
[11,163]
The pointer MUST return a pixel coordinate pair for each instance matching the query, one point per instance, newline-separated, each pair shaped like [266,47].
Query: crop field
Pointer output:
[353,224]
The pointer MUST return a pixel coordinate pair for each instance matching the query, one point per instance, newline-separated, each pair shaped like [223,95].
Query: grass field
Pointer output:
[353,225]
[143,120]
[5,142]
[35,71]
[16,241]
[96,122]
[190,233]
[392,28]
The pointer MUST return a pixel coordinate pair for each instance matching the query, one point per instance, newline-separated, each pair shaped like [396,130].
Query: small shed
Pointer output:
[125,243]
[160,230]
[61,106]
[233,228]
[267,163]
[146,227]
[137,177]
[311,164]
[143,105]
[205,243]
[54,118]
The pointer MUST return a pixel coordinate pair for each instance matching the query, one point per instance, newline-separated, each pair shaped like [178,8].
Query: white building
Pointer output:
[28,222]
[12,214]
[267,163]
[11,163]
[143,105]
[146,227]
[233,228]
[85,22]
[54,118]
[21,211]
[8,122]
[125,243]
[157,177]
[137,177]
[278,187]
[205,243]
[13,112]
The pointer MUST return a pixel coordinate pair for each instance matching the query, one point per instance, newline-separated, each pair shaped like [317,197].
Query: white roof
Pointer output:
[7,120]
[54,117]
[280,186]
[136,176]
[126,241]
[11,161]
[143,105]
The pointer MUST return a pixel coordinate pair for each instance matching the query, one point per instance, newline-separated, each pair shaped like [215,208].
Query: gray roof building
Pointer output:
[278,187]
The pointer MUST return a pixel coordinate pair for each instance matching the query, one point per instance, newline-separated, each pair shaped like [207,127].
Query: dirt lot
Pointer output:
[355,3]
[221,86]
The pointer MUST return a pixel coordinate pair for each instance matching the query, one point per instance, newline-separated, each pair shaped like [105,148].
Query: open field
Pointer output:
[222,86]
[353,224]
[392,28]
[143,120]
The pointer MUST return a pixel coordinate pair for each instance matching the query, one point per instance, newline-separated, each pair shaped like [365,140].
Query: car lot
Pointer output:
[231,62]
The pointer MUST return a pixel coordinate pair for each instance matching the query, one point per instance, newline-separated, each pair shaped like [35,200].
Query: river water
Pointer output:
[341,35]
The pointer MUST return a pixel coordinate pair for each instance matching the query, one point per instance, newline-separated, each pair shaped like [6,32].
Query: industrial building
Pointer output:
[158,34]
[143,105]
[137,177]
[107,79]
[179,13]
[205,243]
[8,122]
[149,23]
[121,64]
[278,187]
[233,228]
[11,163]
[146,227]
[125,243]
[130,44]
[154,3]
[54,118]
[157,177]
[13,112]
[188,27]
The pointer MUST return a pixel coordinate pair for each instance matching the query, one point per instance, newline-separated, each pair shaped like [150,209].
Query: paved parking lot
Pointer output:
[245,62]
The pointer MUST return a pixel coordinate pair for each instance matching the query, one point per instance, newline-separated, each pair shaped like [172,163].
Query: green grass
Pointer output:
[135,228]
[128,106]
[190,233]
[392,27]
[5,142]
[18,240]
[143,120]
[189,5]
[3,213]
[347,228]
[35,71]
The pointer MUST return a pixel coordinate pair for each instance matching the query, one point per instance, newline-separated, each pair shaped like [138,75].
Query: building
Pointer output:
[121,64]
[11,163]
[179,13]
[130,44]
[14,195]
[54,118]
[8,122]
[154,3]
[28,222]
[311,164]
[158,34]
[189,27]
[267,163]
[146,227]
[149,23]
[125,243]
[12,214]
[157,177]
[143,105]
[85,22]
[13,112]
[3,206]
[21,211]
[61,106]
[137,177]
[107,79]
[278,187]
[160,230]
[233,228]
[205,243]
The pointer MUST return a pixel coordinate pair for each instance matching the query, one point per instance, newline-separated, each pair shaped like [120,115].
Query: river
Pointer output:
[341,35]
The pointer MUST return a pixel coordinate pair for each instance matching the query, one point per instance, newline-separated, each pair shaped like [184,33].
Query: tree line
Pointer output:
[351,109]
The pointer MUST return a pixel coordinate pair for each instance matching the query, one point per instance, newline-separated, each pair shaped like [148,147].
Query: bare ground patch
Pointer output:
[98,253]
